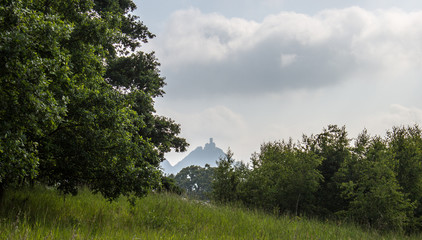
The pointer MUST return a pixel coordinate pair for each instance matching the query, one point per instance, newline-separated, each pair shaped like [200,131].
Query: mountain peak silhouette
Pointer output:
[210,154]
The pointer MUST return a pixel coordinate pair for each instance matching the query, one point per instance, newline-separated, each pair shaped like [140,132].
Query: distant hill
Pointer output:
[210,154]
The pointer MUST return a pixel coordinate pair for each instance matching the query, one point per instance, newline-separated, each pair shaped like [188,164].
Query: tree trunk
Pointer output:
[2,188]
[297,203]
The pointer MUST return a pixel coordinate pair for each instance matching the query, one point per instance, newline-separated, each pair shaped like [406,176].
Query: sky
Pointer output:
[246,72]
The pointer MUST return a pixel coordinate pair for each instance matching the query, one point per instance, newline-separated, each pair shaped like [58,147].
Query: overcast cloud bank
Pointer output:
[244,82]
[211,54]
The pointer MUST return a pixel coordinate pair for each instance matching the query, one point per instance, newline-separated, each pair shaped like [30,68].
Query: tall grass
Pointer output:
[42,213]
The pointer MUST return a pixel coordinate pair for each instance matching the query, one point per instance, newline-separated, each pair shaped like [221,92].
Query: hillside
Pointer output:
[209,154]
[42,213]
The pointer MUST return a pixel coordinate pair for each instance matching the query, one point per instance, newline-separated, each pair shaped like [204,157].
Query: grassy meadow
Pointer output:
[41,213]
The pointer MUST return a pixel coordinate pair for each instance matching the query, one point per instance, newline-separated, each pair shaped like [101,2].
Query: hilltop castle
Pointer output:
[201,156]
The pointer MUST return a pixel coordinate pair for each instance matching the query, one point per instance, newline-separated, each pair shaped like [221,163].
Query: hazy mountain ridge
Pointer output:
[209,154]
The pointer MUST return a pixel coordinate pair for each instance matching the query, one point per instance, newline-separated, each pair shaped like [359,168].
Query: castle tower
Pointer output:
[210,145]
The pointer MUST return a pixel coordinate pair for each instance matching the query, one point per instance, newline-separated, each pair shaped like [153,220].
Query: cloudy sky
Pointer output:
[247,72]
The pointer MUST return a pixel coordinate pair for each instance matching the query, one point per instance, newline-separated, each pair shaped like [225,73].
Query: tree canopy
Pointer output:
[371,180]
[77,98]
[196,181]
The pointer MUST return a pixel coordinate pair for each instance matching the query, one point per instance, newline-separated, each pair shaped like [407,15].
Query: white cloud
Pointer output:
[209,54]
[193,37]
[287,59]
[245,82]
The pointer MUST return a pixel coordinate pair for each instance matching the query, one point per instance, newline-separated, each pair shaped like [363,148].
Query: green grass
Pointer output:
[41,213]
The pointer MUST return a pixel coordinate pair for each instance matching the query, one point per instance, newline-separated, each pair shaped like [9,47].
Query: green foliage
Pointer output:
[333,146]
[376,182]
[406,143]
[227,177]
[369,183]
[33,70]
[283,177]
[168,184]
[196,181]
[77,102]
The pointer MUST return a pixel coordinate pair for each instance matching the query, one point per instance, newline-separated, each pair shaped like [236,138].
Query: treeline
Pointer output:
[370,180]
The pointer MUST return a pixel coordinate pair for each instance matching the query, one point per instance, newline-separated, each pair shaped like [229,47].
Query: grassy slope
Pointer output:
[44,214]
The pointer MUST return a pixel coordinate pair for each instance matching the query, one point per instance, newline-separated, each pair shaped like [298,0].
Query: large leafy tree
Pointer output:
[369,183]
[34,69]
[406,144]
[284,177]
[196,181]
[333,145]
[77,97]
[228,175]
